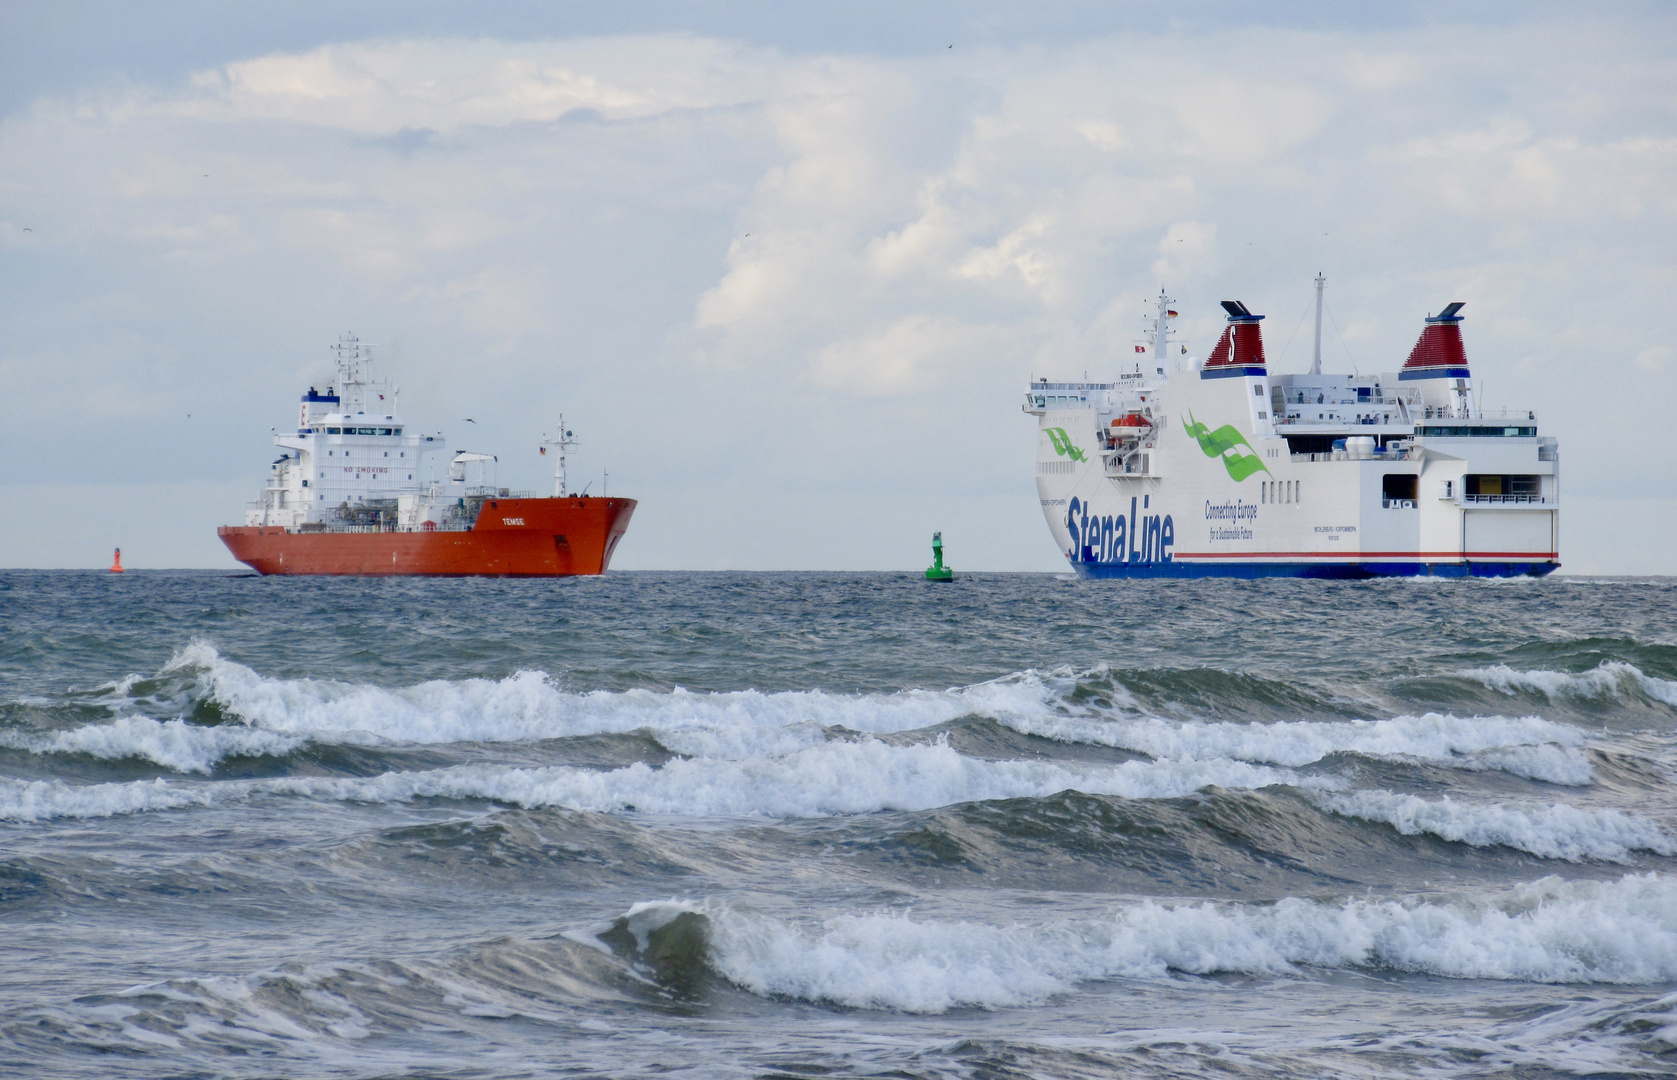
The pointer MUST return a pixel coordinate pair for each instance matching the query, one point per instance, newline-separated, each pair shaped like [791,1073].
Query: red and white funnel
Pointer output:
[1240,351]
[1439,353]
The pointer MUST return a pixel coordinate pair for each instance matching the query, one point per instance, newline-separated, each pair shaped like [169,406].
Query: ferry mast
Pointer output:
[560,443]
[1161,333]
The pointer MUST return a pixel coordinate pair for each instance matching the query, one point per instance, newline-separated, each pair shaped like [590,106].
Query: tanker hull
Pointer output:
[515,537]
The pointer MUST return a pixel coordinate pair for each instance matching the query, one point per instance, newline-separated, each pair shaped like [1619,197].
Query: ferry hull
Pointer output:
[552,537]
[1360,570]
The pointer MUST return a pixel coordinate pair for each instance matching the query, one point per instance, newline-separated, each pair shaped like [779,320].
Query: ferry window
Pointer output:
[334,431]
[387,453]
[384,431]
[1399,486]
[1257,391]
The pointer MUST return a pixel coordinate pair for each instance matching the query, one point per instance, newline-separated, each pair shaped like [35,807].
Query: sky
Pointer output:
[787,269]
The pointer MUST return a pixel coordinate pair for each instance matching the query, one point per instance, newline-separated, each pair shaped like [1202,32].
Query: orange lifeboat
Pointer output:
[1130,424]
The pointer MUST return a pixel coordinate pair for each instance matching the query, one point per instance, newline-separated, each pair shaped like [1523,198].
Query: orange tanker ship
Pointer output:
[350,496]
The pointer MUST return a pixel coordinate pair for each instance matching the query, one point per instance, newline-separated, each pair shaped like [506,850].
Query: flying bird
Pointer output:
[469,420]
[27,229]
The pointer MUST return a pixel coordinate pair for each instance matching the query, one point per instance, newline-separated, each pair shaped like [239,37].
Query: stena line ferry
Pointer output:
[1219,468]
[351,494]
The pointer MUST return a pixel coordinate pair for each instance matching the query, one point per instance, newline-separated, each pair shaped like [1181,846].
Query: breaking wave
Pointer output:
[832,778]
[1551,931]
[260,715]
[1613,679]
[1558,831]
[1528,746]
[174,744]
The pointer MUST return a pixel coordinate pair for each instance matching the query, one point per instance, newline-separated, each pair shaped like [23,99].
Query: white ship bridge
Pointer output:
[353,463]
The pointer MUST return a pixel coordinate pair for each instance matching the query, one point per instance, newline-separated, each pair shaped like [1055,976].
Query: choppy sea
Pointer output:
[831,825]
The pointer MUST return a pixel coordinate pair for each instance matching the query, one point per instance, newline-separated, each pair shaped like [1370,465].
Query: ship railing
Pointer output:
[1505,500]
[1385,419]
[1135,463]
[346,527]
[1341,455]
[488,492]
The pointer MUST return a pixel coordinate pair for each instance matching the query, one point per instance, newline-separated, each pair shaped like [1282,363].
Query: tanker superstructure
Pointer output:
[1183,468]
[354,491]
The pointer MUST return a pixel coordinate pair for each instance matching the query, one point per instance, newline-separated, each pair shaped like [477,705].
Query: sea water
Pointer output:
[739,825]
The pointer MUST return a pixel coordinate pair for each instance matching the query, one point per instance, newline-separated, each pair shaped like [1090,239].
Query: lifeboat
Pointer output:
[1130,425]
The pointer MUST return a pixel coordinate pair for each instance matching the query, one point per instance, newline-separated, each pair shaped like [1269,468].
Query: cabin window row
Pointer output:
[355,431]
[1477,431]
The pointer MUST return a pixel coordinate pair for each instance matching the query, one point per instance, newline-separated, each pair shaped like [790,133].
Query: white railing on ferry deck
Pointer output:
[1341,455]
[1510,500]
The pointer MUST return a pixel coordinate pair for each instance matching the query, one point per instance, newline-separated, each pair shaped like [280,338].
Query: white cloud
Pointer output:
[912,354]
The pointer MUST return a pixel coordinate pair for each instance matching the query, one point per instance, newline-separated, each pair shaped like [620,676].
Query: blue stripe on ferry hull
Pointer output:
[1186,568]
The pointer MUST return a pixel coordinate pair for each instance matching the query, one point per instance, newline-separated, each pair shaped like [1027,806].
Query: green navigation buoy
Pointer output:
[937,571]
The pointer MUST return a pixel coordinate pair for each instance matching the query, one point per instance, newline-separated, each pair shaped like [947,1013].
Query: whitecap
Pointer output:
[1554,931]
[173,744]
[827,779]
[1610,678]
[1529,746]
[1557,831]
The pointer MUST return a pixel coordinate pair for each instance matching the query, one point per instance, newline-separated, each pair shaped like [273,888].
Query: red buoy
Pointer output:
[116,562]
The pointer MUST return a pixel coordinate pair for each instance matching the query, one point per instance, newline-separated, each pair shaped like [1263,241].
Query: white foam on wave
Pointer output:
[44,800]
[832,778]
[1529,746]
[530,706]
[1621,931]
[173,744]
[277,716]
[1555,831]
[1610,679]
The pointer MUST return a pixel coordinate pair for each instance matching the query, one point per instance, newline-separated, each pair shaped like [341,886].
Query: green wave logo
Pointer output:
[1063,446]
[1225,443]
